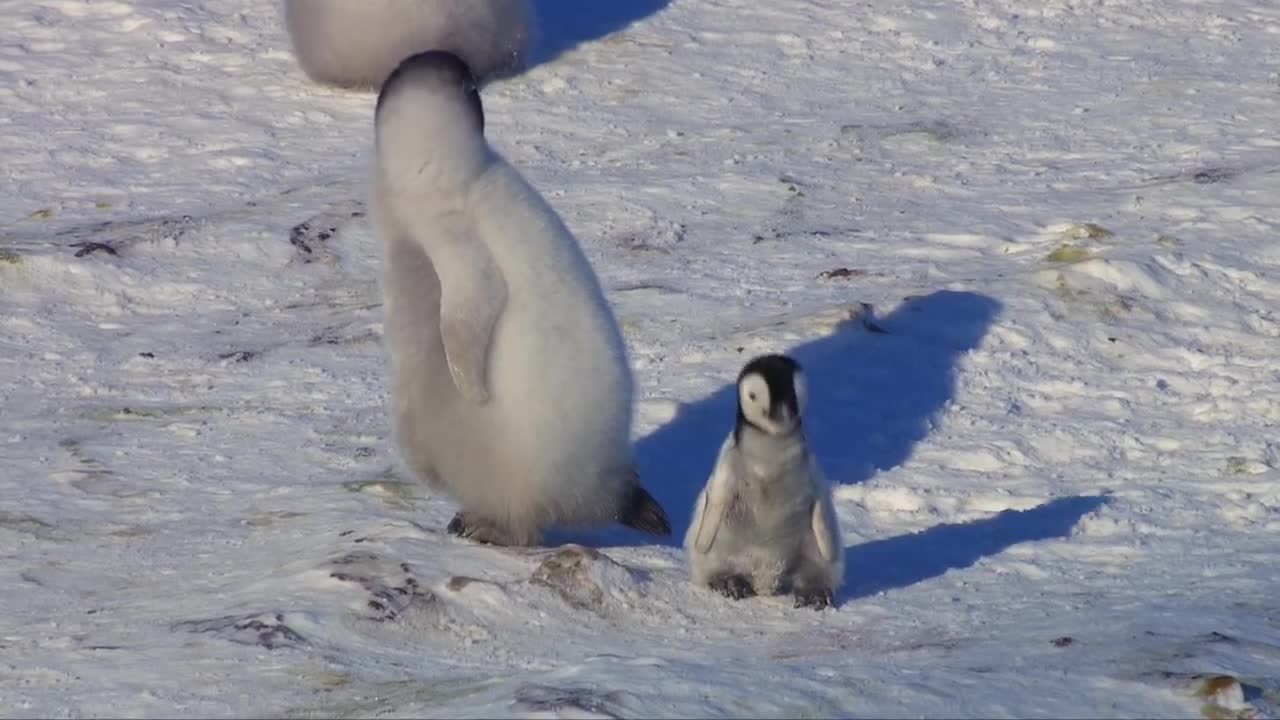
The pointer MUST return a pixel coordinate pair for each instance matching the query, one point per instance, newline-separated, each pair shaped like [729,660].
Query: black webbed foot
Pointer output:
[816,598]
[480,529]
[733,586]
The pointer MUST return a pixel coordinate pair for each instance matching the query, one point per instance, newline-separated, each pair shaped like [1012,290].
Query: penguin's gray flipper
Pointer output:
[473,294]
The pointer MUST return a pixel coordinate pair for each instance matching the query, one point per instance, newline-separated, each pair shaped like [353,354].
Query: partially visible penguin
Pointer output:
[357,43]
[511,385]
[764,524]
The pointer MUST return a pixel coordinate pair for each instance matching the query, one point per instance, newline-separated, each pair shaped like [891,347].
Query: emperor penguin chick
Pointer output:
[764,523]
[511,386]
[357,43]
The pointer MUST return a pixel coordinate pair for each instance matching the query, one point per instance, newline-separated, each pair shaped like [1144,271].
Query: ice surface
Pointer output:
[1057,474]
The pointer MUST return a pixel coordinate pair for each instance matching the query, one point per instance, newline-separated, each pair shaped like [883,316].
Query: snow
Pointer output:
[1059,479]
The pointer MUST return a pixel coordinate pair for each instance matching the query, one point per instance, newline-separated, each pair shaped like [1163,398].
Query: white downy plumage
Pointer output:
[512,387]
[764,524]
[358,43]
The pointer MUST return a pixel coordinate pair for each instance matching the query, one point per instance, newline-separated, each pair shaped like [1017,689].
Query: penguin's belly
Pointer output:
[561,381]
[553,441]
[768,531]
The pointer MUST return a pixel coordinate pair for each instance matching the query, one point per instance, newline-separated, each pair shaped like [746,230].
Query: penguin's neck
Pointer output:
[762,448]
[439,157]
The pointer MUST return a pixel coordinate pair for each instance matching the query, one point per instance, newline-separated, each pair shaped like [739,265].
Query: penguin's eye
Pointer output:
[751,396]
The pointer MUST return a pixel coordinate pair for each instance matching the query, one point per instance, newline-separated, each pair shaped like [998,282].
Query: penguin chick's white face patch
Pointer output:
[753,398]
[756,402]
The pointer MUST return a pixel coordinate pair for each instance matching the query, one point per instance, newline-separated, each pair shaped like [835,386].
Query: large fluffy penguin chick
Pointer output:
[357,43]
[764,523]
[512,388]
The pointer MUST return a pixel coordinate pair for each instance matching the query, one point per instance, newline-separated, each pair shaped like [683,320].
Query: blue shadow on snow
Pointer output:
[564,24]
[872,397]
[908,559]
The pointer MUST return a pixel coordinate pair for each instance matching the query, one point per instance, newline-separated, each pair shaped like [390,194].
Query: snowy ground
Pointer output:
[1058,464]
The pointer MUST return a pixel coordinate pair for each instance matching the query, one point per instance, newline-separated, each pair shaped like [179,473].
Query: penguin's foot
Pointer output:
[481,529]
[816,598]
[733,586]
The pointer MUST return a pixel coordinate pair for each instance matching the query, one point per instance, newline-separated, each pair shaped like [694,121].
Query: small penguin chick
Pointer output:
[765,523]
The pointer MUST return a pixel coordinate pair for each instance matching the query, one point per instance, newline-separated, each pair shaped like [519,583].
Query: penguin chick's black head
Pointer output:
[438,71]
[771,394]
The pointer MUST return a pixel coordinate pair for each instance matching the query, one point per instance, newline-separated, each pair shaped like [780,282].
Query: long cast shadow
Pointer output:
[564,24]
[908,559]
[872,397]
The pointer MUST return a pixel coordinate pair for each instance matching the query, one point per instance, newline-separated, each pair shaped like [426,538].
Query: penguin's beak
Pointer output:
[783,419]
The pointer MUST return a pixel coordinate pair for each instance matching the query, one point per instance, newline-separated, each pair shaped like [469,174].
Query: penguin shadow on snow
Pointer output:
[564,24]
[875,390]
[908,559]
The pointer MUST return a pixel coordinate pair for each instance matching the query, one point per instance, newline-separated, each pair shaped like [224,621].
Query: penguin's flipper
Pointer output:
[473,293]
[642,512]
[713,503]
[825,524]
[697,525]
[826,528]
